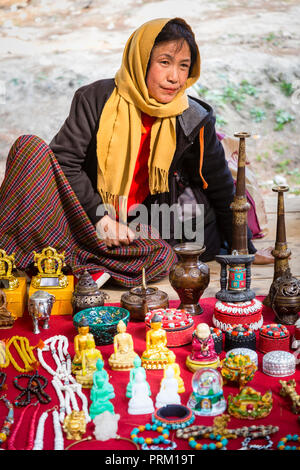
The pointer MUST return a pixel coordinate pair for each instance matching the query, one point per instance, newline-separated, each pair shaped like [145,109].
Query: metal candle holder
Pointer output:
[239,261]
[284,293]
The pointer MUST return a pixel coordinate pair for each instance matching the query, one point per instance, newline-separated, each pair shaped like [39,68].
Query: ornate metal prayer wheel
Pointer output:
[284,293]
[87,294]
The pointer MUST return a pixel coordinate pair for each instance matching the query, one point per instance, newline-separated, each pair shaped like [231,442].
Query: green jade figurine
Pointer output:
[137,366]
[102,391]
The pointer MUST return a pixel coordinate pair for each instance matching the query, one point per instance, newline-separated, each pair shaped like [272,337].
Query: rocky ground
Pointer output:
[250,54]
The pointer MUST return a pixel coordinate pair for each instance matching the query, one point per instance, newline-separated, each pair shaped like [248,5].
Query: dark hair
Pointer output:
[177,29]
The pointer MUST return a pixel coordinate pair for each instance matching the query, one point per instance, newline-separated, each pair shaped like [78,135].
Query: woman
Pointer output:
[135,139]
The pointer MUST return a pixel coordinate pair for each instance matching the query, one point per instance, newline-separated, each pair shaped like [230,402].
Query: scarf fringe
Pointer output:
[159,181]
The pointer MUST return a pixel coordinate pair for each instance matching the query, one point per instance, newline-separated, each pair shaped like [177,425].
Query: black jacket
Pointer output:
[75,149]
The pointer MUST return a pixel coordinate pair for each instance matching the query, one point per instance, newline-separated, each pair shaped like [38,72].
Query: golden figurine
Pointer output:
[177,376]
[80,343]
[7,320]
[89,356]
[49,264]
[157,355]
[7,264]
[123,355]
[75,425]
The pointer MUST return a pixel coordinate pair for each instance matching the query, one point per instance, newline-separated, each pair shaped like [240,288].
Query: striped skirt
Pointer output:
[38,208]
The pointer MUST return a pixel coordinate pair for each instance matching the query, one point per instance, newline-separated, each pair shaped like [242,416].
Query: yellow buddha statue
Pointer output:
[80,343]
[89,358]
[123,356]
[157,355]
[177,376]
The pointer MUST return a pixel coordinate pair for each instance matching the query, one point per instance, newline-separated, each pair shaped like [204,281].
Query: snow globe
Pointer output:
[207,398]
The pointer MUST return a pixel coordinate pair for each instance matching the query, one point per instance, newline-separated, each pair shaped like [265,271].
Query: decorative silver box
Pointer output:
[279,363]
[245,352]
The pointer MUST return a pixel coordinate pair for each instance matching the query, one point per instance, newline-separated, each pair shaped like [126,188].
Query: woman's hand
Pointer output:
[114,233]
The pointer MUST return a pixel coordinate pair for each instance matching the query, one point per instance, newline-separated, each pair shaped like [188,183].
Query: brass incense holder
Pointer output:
[236,286]
[284,293]
[49,264]
[87,294]
[7,264]
[140,300]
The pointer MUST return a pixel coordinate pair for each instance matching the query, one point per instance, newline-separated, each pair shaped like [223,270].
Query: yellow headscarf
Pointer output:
[120,127]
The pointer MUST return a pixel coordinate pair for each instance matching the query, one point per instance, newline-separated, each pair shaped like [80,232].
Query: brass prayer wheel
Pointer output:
[238,263]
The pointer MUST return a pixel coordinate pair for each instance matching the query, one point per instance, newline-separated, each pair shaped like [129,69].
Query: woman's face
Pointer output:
[168,70]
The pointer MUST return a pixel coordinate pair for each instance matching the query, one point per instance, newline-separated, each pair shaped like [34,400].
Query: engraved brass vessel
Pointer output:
[284,293]
[139,300]
[87,294]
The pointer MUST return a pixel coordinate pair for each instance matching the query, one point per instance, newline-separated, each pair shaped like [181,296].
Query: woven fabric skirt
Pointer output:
[38,208]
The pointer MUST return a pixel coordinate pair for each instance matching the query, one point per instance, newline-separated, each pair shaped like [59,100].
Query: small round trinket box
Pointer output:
[218,339]
[227,314]
[240,336]
[273,337]
[279,363]
[244,352]
[238,368]
[177,323]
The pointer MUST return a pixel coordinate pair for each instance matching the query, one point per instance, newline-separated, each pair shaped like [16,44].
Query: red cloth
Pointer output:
[281,414]
[139,189]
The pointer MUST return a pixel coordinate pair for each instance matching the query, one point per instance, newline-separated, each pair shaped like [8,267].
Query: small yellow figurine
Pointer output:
[157,355]
[80,343]
[49,264]
[75,425]
[89,357]
[123,355]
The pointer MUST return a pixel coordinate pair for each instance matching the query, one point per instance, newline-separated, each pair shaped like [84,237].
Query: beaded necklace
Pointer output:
[4,359]
[25,351]
[30,438]
[9,420]
[63,382]
[153,443]
[90,439]
[36,384]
